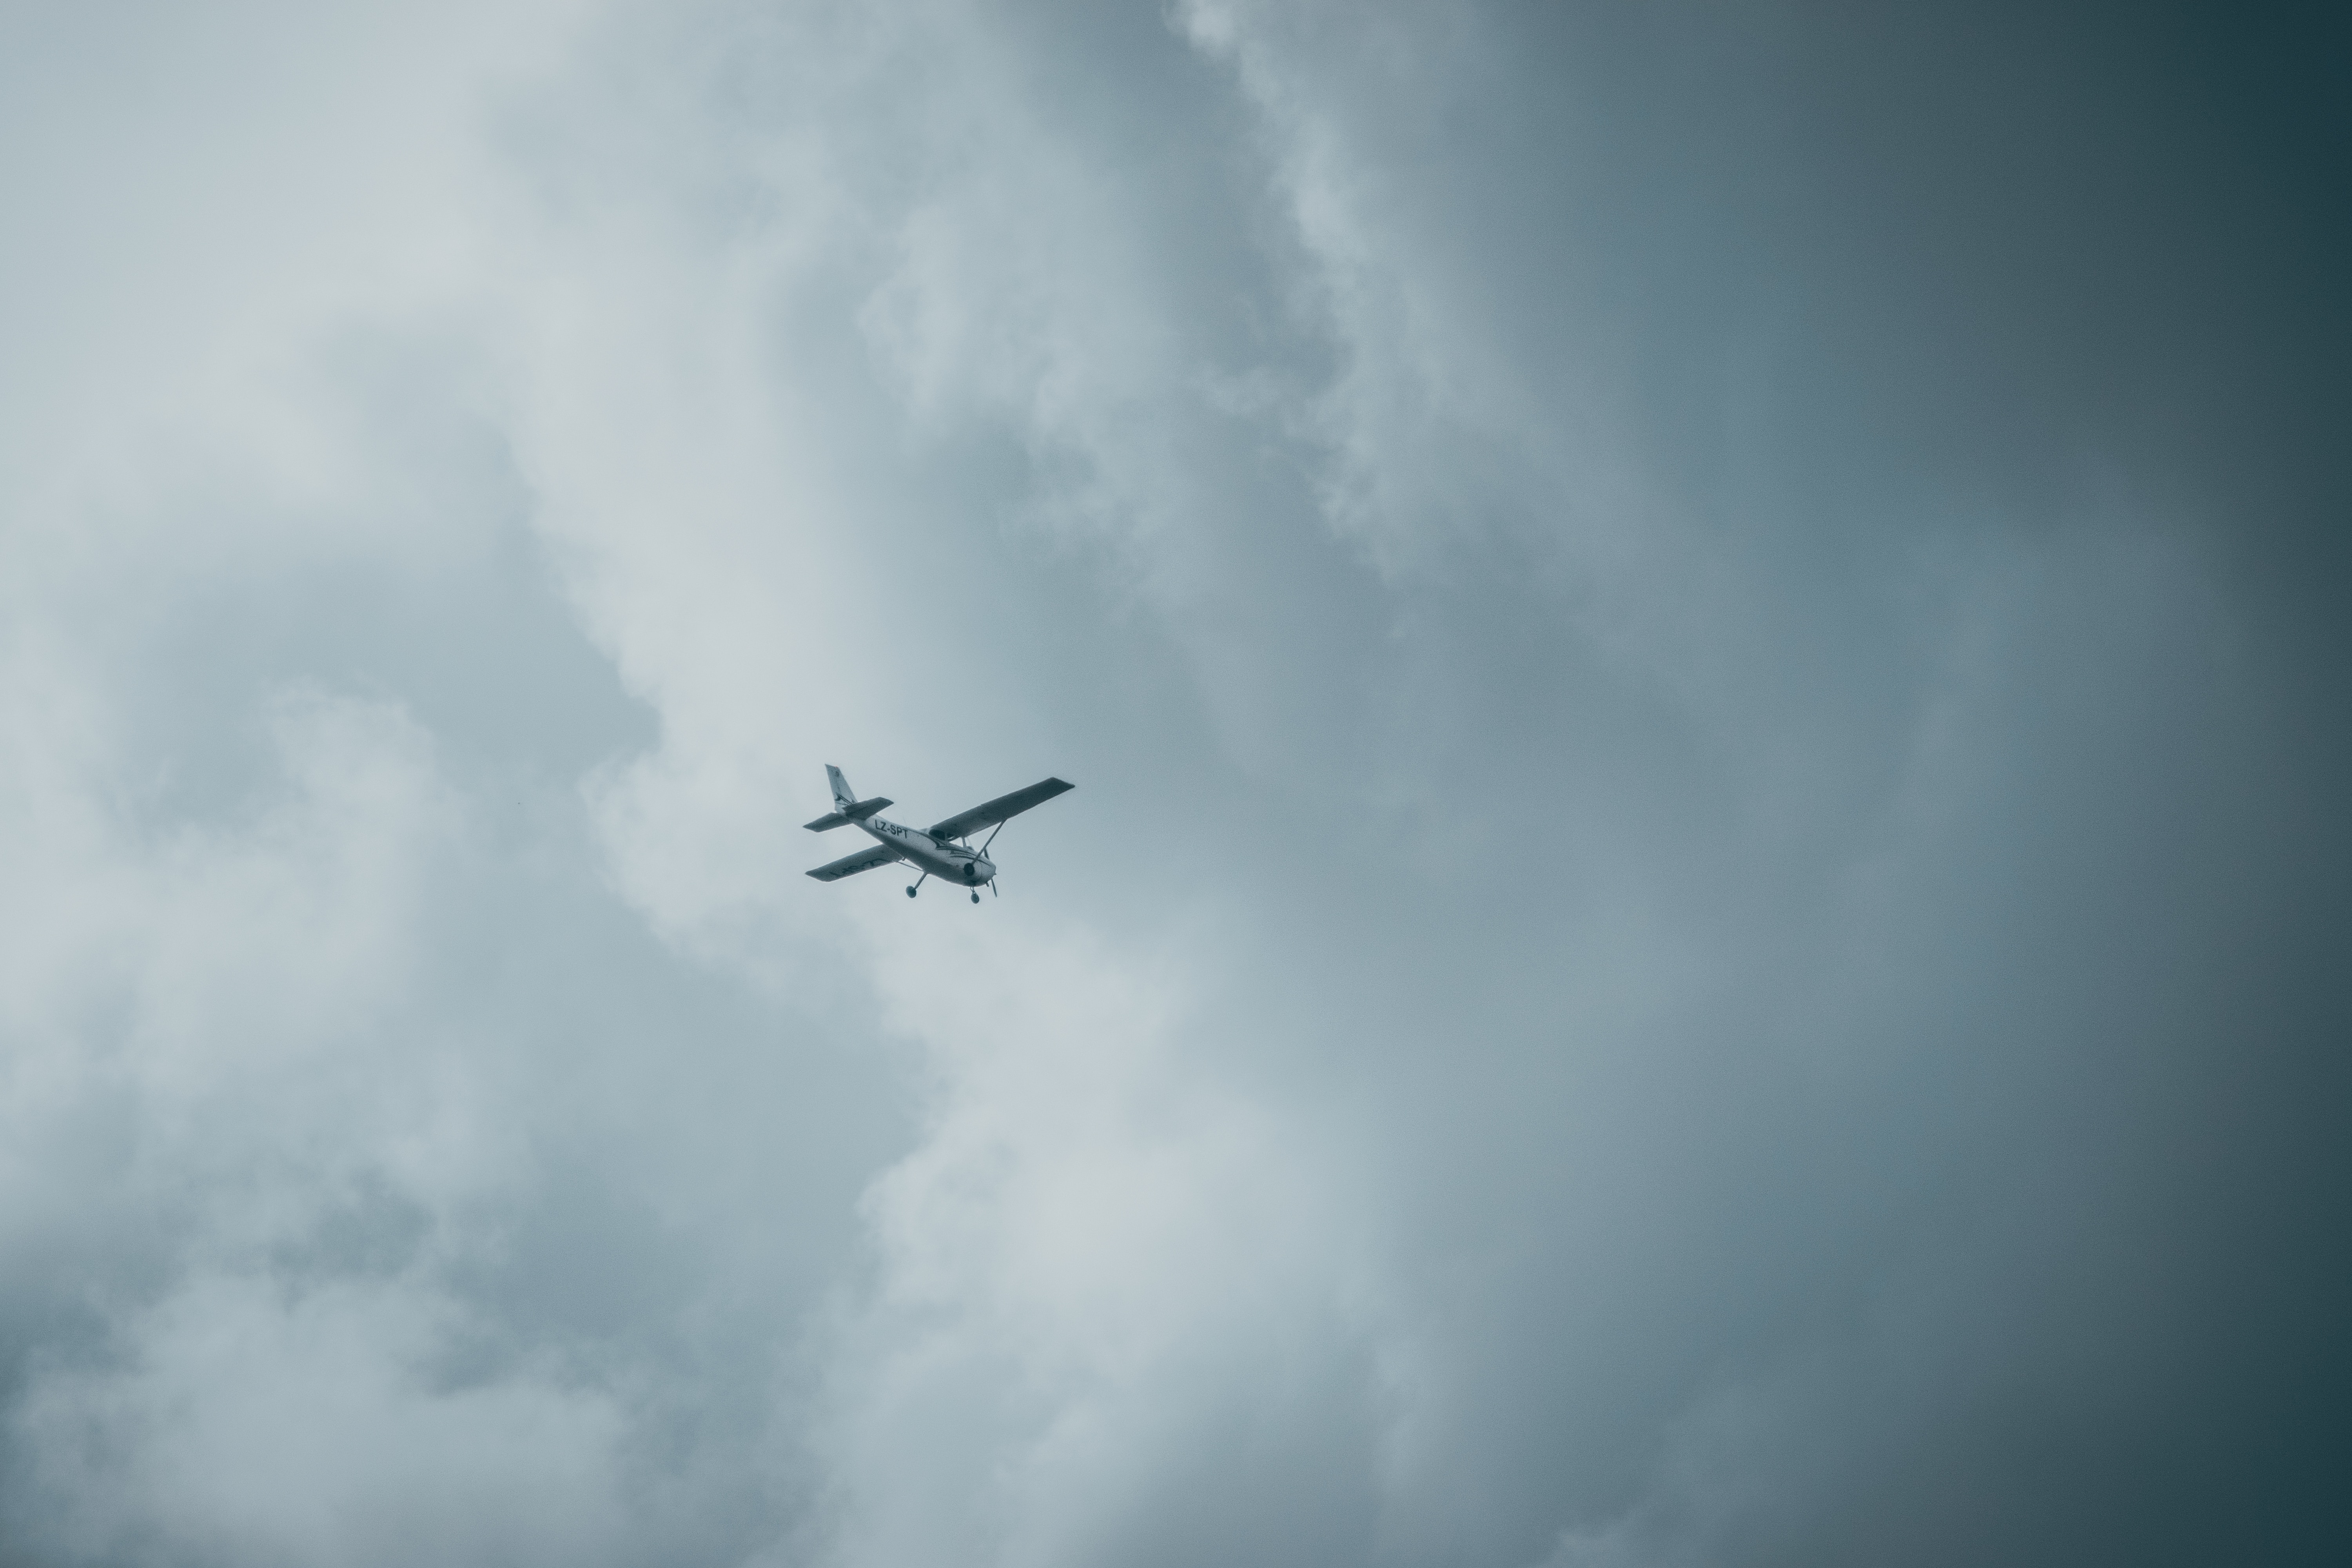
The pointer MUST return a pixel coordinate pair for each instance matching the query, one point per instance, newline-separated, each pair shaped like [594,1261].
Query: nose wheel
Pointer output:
[975,898]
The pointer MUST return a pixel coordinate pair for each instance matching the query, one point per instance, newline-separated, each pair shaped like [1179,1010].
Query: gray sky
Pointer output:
[1704,923]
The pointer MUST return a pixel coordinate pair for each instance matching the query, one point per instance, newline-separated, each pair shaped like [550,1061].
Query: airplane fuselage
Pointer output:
[948,862]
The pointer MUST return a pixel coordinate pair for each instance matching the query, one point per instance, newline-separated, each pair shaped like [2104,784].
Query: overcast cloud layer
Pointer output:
[1703,646]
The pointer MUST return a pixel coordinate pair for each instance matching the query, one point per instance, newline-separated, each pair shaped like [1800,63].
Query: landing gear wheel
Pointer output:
[975,898]
[910,892]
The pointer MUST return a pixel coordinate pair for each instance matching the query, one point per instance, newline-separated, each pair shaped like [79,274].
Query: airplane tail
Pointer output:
[846,807]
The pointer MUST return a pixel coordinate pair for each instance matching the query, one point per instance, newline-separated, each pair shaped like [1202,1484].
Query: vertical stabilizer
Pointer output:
[846,807]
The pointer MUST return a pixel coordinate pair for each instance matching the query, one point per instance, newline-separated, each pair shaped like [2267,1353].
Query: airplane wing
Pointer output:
[997,810]
[850,865]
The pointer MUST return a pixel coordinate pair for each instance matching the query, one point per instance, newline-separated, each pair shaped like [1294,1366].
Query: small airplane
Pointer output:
[943,850]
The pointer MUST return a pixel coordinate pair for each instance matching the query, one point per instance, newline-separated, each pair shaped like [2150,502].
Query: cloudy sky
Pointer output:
[1705,917]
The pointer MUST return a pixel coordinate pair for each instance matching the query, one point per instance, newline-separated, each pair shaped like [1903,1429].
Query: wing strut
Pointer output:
[994,890]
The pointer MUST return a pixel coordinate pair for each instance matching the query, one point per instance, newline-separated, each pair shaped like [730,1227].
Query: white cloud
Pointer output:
[261,1425]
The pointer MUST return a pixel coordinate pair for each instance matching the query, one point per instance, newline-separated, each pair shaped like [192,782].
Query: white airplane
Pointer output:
[940,851]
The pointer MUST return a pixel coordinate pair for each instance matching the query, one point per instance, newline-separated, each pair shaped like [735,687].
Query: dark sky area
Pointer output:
[1703,646]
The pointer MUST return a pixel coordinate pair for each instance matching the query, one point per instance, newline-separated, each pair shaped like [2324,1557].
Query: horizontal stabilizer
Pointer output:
[850,865]
[998,809]
[853,811]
